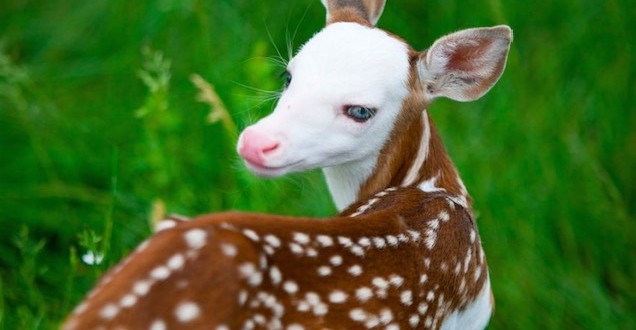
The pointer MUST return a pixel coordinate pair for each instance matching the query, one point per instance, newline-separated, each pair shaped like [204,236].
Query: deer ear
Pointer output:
[354,10]
[464,65]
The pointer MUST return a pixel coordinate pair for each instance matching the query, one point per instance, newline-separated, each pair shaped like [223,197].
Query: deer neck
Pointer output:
[414,156]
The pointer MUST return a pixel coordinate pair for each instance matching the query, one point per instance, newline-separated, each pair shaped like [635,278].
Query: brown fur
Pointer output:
[422,247]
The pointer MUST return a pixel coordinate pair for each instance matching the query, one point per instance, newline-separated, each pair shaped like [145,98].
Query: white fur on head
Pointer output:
[346,64]
[464,65]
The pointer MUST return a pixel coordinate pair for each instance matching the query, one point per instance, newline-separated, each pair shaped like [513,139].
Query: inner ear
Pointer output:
[464,65]
[366,12]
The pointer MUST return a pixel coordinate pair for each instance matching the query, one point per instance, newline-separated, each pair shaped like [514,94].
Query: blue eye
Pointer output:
[287,78]
[359,114]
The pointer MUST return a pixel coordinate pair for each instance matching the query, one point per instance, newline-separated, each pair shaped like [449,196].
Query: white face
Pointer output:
[347,87]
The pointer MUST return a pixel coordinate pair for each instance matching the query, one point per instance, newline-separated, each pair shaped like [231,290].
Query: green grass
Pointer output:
[100,123]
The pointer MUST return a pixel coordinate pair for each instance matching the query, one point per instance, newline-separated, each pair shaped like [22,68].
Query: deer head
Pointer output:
[352,82]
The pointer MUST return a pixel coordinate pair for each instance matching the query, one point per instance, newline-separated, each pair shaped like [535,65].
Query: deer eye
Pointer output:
[359,113]
[287,78]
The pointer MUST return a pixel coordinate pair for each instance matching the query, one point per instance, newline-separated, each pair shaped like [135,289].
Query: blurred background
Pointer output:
[112,113]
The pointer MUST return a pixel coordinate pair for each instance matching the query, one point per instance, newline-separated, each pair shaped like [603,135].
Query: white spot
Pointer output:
[290,287]
[355,270]
[379,242]
[430,296]
[386,316]
[262,261]
[249,271]
[312,298]
[195,238]
[443,215]
[431,238]
[222,327]
[176,261]
[364,241]
[109,312]
[415,235]
[229,250]
[311,252]
[295,327]
[81,308]
[259,319]
[252,235]
[423,278]
[357,314]
[164,224]
[458,268]
[128,300]
[406,297]
[414,320]
[242,298]
[324,240]
[141,288]
[324,270]
[427,262]
[248,325]
[301,238]
[422,308]
[272,240]
[402,238]
[321,309]
[303,306]
[472,236]
[372,322]
[295,248]
[380,283]
[336,260]
[357,250]
[187,311]
[344,241]
[158,325]
[337,297]
[429,185]
[275,275]
[444,267]
[422,152]
[268,249]
[429,322]
[160,273]
[469,255]
[477,273]
[396,280]
[392,326]
[381,194]
[433,224]
[363,294]
[392,240]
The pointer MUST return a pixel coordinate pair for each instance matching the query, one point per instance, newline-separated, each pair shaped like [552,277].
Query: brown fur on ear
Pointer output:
[365,12]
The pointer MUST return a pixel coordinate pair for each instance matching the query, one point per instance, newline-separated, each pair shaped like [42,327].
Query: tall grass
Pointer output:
[108,112]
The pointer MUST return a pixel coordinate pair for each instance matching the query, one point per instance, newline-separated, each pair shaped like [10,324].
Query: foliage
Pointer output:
[110,112]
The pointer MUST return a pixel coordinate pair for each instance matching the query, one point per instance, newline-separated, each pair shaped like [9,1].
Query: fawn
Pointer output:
[403,253]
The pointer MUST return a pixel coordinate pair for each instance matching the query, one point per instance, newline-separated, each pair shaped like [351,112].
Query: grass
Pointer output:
[102,128]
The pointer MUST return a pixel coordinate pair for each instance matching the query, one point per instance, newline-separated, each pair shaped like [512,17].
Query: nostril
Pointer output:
[268,149]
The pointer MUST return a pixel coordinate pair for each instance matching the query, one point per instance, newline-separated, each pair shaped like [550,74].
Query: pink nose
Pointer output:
[255,145]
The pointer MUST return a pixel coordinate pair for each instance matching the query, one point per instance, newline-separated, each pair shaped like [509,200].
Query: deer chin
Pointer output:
[268,171]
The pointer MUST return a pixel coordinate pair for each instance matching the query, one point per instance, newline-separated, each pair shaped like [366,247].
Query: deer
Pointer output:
[404,252]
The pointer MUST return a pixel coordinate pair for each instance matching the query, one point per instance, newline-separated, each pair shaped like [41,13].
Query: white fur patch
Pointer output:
[187,311]
[474,317]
